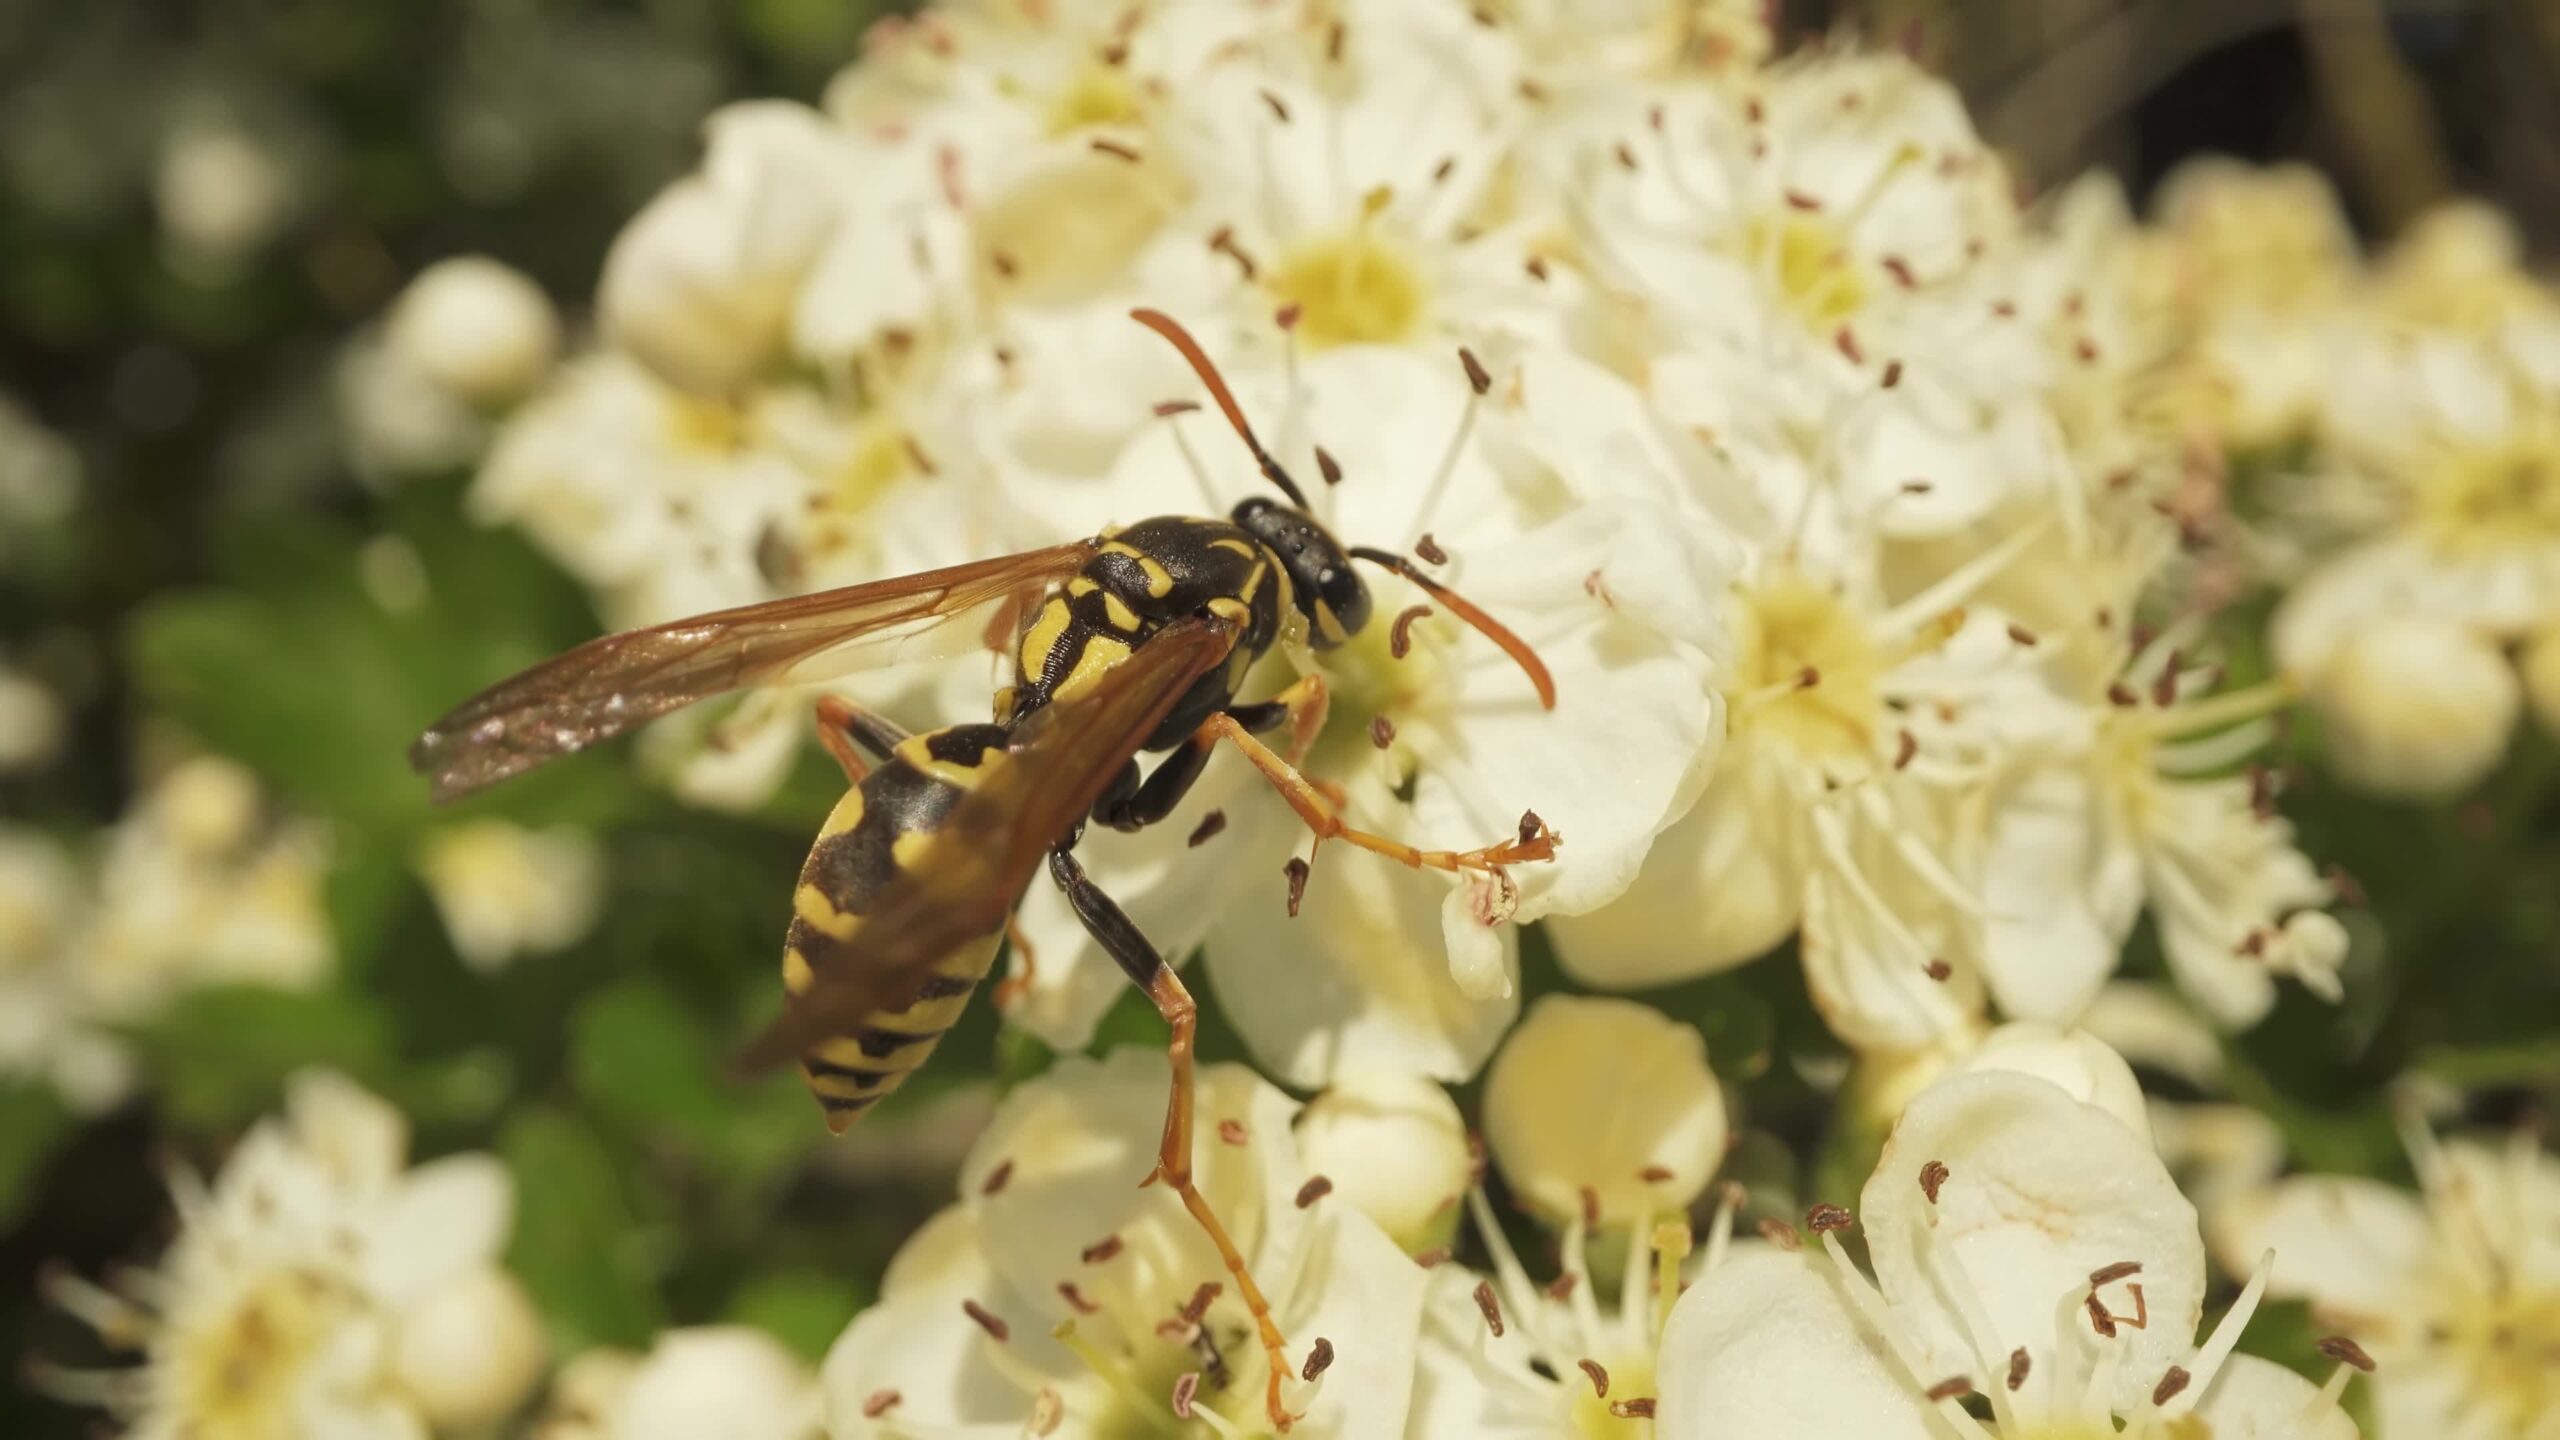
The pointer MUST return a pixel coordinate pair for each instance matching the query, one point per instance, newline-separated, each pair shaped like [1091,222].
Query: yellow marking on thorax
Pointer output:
[1117,611]
[1252,581]
[846,815]
[1101,652]
[1244,548]
[796,973]
[1083,585]
[1044,634]
[1330,624]
[818,908]
[1159,579]
[1232,610]
[1004,704]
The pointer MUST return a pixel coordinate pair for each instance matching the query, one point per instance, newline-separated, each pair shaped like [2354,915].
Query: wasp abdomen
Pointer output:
[886,827]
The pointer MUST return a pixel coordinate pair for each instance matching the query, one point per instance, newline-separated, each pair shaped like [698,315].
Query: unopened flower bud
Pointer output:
[1393,1146]
[476,328]
[2415,708]
[469,1350]
[717,1380]
[2077,1061]
[1604,1105]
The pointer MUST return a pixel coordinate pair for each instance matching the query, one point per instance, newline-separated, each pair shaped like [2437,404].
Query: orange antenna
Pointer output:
[1465,609]
[1171,329]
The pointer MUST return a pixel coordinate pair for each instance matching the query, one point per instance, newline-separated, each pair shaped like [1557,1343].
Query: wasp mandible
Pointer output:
[1136,640]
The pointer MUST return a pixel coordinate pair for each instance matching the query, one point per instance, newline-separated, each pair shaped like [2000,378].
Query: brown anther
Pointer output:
[2262,791]
[1781,1234]
[1208,828]
[1536,265]
[1316,1188]
[988,1320]
[2252,945]
[916,456]
[1532,91]
[1075,1299]
[1286,317]
[1905,746]
[1489,1307]
[1892,373]
[1333,38]
[1808,677]
[1599,1378]
[1222,241]
[1825,1217]
[1400,634]
[1113,148]
[1433,1258]
[1954,1387]
[2005,309]
[1654,1174]
[1938,969]
[1297,870]
[1917,487]
[2121,694]
[2346,1352]
[1328,467]
[1626,156]
[1185,1387]
[1200,1301]
[2021,634]
[1428,550]
[1798,200]
[1231,1131]
[1561,1288]
[1167,409]
[880,1403]
[1531,827]
[2170,1384]
[2164,689]
[1003,264]
[996,1178]
[1590,1208]
[2110,1274]
[1441,172]
[2099,1319]
[2349,891]
[1900,270]
[1319,1359]
[1932,1176]
[2018,1367]
[1279,108]
[1847,340]
[1382,731]
[1477,376]
[1102,1249]
[2086,349]
[1638,1408]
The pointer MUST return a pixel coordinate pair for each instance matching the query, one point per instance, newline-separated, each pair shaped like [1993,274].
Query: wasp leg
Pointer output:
[1109,925]
[1011,988]
[1534,842]
[842,724]
[1302,707]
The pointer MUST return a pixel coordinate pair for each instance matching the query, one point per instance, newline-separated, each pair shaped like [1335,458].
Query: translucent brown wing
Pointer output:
[995,839]
[610,684]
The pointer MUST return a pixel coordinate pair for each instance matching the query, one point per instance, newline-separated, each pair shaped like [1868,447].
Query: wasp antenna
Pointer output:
[1465,609]
[1171,329]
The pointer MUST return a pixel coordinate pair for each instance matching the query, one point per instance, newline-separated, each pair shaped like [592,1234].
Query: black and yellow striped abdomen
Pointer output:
[885,827]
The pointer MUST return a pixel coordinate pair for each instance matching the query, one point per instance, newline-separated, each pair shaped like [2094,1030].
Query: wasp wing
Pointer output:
[993,842]
[615,682]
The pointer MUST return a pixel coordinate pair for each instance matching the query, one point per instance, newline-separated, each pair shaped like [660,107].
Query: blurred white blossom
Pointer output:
[728,1380]
[505,891]
[475,326]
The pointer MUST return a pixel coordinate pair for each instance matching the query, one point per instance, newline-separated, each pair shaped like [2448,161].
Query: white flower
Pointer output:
[479,328]
[699,285]
[506,891]
[31,722]
[49,1032]
[2025,1245]
[1060,1297]
[222,191]
[397,421]
[2415,707]
[199,887]
[318,1287]
[39,483]
[725,1380]
[1604,1110]
[1393,1146]
[2455,1290]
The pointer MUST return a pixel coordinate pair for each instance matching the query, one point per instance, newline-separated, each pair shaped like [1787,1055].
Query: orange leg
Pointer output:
[1011,988]
[1534,842]
[1110,926]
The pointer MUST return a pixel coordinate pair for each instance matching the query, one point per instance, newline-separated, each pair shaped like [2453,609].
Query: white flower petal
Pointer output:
[2078,1062]
[2254,1399]
[447,1215]
[2060,890]
[2358,1246]
[1766,1347]
[2041,1191]
[1596,1095]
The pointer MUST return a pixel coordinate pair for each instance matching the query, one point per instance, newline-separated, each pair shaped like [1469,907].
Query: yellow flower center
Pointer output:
[1629,1375]
[1067,230]
[2509,1343]
[1351,287]
[1810,672]
[703,426]
[1098,95]
[1811,264]
[1368,684]
[1138,1386]
[2509,494]
[240,1375]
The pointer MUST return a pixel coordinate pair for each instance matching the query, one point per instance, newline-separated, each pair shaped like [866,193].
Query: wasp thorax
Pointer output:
[1328,591]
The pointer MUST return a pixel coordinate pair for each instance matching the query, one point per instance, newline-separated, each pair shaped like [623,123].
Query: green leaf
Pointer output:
[578,1242]
[803,1309]
[644,1060]
[33,1123]
[222,1054]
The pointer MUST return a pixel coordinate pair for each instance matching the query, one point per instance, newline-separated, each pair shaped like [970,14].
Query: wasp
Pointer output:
[1134,641]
